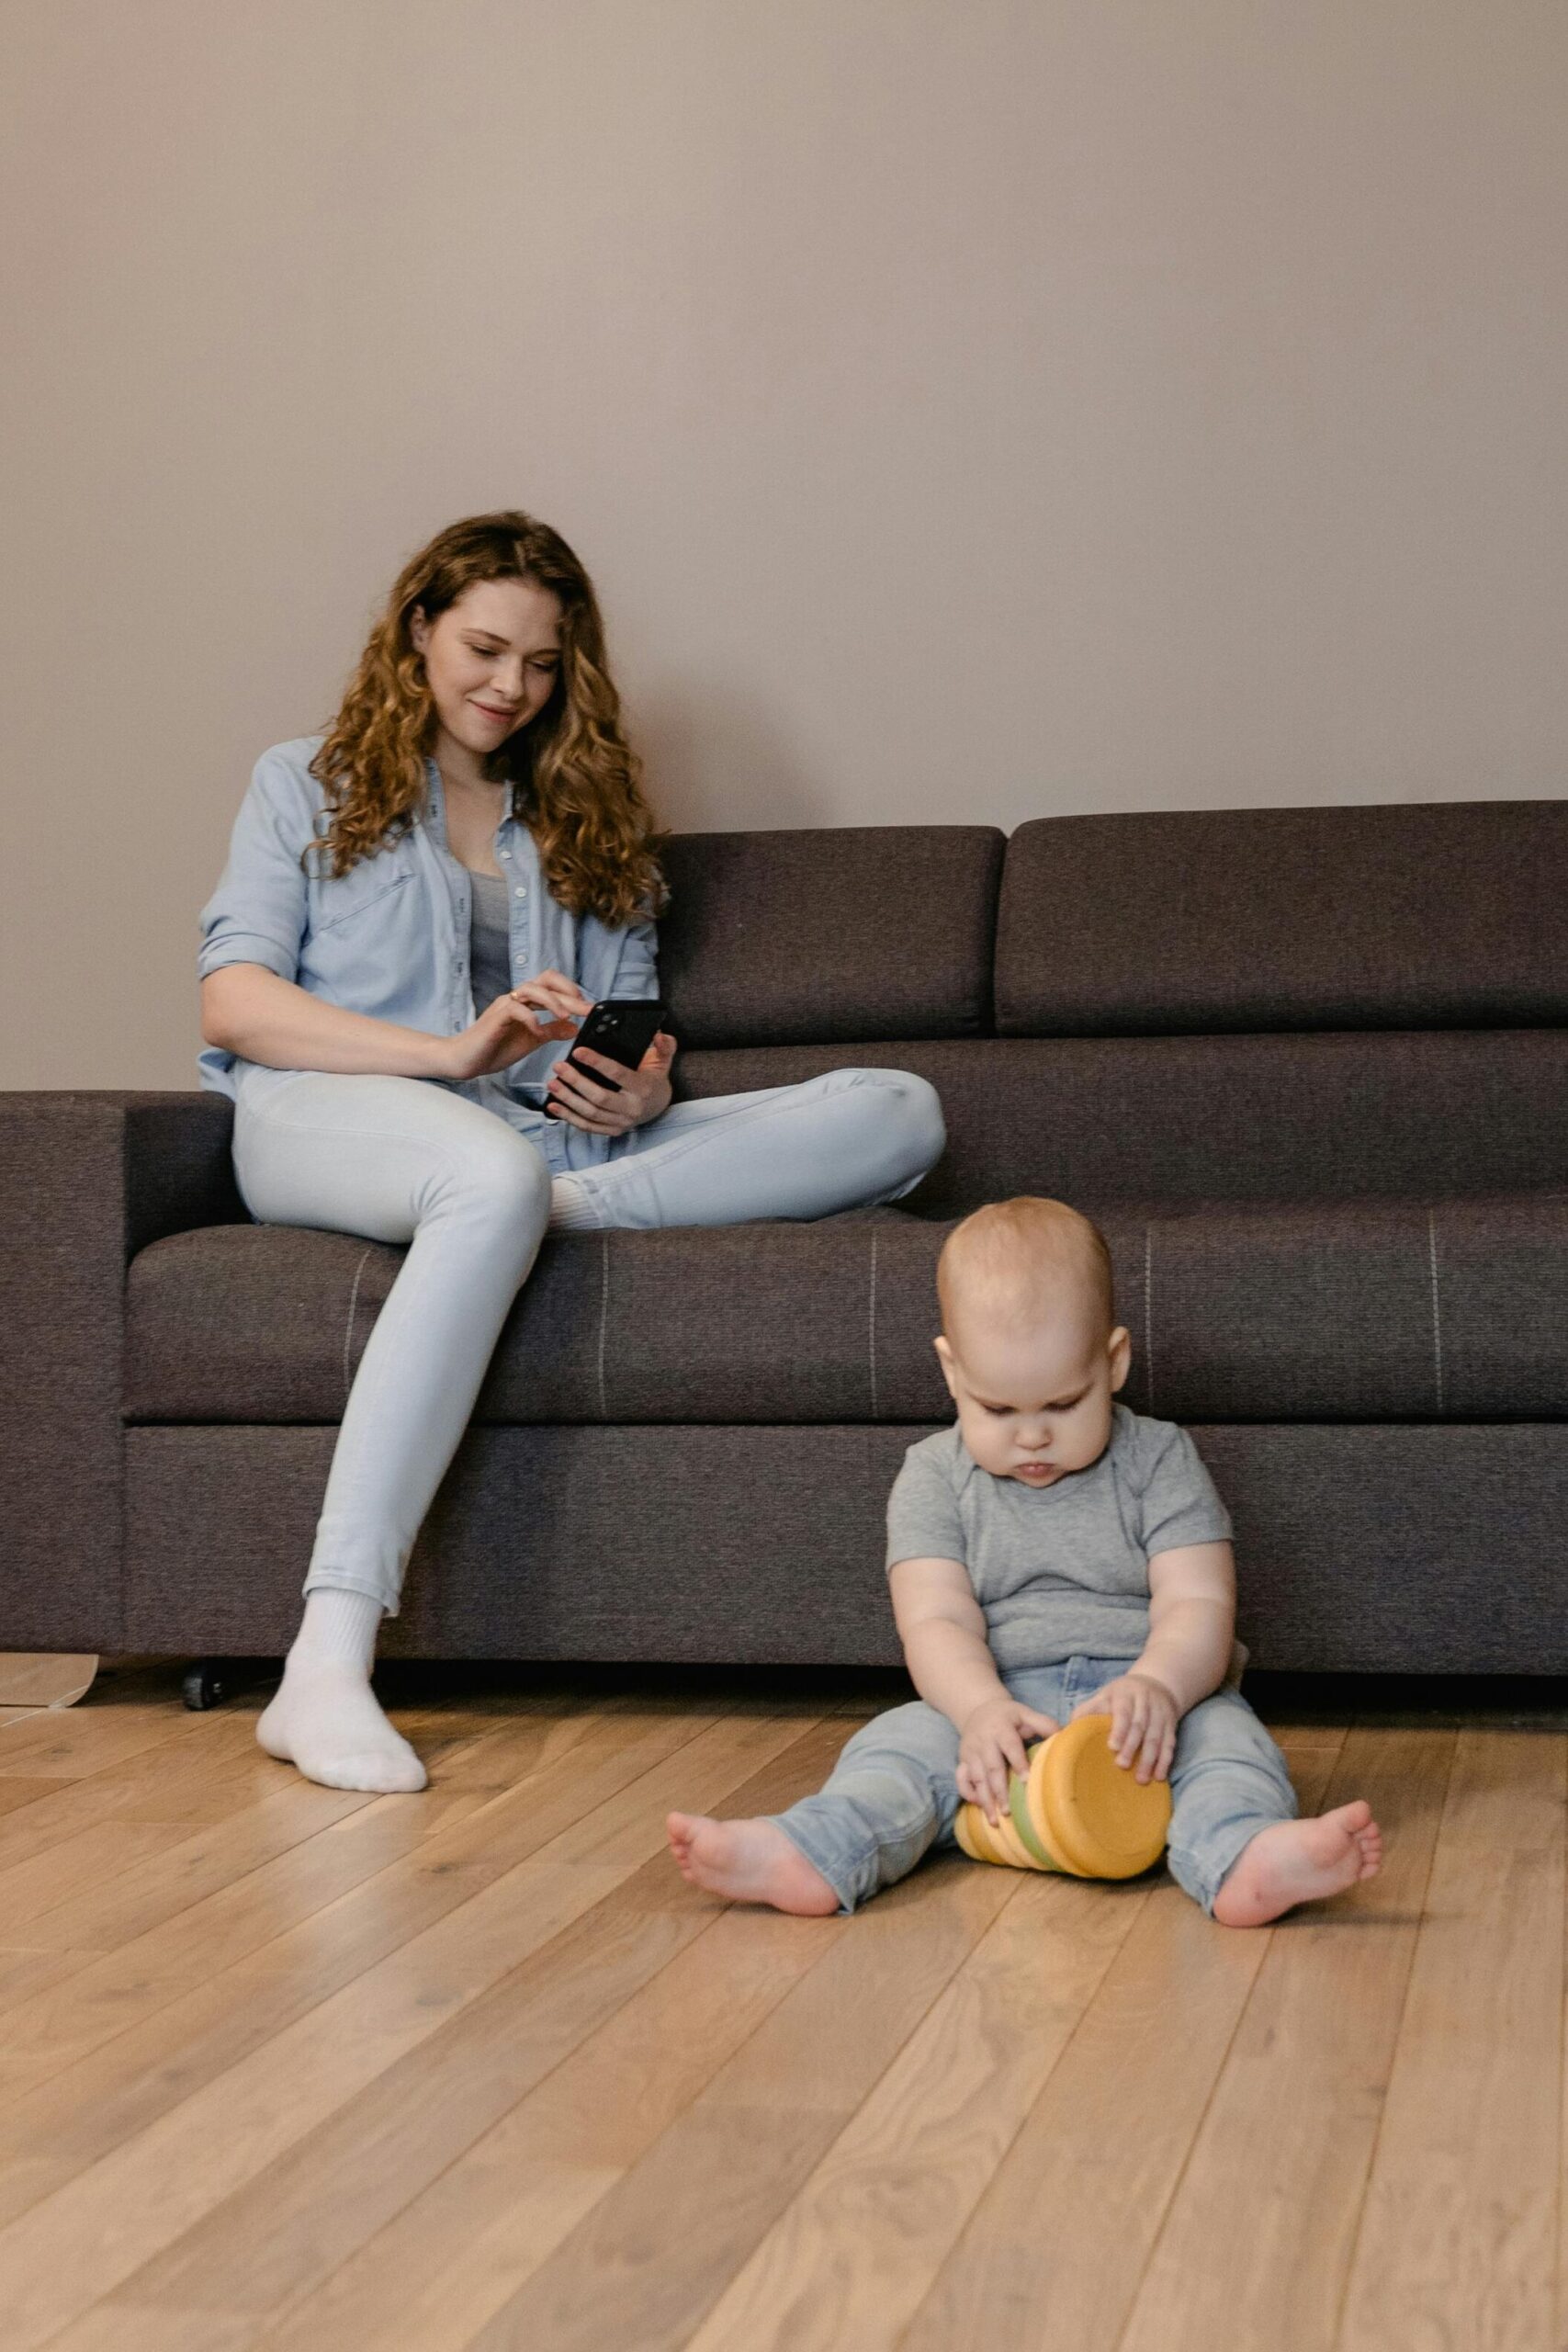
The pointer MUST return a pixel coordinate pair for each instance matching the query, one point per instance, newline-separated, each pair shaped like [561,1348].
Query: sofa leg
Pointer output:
[207,1683]
[44,1677]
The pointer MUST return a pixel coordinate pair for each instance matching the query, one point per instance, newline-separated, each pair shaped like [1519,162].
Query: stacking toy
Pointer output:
[1076,1810]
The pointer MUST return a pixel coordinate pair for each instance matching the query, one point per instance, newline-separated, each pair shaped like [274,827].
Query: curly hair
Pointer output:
[575,780]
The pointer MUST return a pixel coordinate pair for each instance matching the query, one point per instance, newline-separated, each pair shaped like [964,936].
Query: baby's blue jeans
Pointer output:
[893,1794]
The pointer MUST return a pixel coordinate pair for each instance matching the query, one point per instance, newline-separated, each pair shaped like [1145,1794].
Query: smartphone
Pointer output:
[622,1028]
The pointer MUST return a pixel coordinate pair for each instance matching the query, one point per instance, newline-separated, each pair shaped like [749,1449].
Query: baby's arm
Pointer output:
[1186,1656]
[1191,1620]
[943,1629]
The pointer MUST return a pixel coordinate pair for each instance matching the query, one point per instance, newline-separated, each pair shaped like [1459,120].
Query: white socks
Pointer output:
[324,1718]
[569,1209]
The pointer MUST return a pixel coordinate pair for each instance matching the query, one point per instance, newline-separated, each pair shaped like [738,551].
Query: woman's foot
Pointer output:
[749,1861]
[1299,1861]
[325,1719]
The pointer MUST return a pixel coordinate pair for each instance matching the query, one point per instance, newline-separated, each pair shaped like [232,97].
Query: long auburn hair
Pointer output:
[576,781]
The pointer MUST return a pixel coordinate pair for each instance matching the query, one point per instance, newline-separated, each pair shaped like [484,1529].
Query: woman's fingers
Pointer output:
[601,1062]
[555,1004]
[571,1079]
[563,992]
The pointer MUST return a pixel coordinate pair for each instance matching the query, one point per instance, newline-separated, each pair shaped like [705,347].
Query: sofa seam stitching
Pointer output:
[604,1318]
[353,1309]
[871,1330]
[1148,1311]
[1436,1309]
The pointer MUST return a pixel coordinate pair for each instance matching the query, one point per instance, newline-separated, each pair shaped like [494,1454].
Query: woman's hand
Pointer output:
[1143,1716]
[645,1092]
[991,1745]
[512,1028]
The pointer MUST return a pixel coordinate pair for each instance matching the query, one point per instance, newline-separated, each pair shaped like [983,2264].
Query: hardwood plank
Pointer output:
[249,1959]
[75,2247]
[653,2256]
[15,1715]
[24,1974]
[111,2329]
[14,1795]
[850,2258]
[76,1869]
[286,2230]
[1311,1765]
[1315,2045]
[182,1868]
[65,1743]
[184,1765]
[1458,2237]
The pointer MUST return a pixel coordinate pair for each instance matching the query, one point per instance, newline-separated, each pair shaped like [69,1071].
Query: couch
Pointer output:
[1309,1068]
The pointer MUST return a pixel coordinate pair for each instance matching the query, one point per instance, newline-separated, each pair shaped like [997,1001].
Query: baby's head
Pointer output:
[1029,1345]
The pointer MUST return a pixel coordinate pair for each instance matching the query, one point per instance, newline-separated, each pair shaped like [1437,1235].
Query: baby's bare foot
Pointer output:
[750,1861]
[1299,1861]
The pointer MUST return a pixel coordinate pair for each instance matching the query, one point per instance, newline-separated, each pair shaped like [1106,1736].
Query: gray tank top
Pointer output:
[489,939]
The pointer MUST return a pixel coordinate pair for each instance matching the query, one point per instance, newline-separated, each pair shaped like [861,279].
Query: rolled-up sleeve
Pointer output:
[259,911]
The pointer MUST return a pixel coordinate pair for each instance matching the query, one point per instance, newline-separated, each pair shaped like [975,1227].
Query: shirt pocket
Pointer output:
[346,898]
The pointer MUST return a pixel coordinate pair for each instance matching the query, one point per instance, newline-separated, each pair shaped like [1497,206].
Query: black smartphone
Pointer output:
[622,1028]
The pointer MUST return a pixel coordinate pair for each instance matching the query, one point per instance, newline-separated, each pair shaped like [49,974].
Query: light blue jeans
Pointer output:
[403,1161]
[892,1794]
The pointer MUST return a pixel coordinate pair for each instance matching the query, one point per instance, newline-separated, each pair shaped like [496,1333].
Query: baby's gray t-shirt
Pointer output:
[1060,1571]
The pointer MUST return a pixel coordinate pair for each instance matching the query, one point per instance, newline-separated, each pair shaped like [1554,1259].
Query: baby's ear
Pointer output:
[1120,1356]
[945,1358]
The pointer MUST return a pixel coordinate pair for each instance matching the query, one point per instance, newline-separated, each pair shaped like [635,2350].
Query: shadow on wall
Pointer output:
[718,762]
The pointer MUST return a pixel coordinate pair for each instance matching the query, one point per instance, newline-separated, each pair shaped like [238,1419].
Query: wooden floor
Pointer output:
[287,2067]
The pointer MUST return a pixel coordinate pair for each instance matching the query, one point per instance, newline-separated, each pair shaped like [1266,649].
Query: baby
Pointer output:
[1053,1556]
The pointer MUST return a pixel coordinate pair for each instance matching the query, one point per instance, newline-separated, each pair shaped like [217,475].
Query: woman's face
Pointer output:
[492,660]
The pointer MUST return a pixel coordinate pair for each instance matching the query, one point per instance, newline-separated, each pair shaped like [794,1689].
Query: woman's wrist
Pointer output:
[432,1056]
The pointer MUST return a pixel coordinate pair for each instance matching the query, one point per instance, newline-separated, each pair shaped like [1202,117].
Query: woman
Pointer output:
[417,910]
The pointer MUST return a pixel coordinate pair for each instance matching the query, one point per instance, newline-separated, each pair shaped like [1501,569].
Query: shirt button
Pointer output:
[520,892]
[506,853]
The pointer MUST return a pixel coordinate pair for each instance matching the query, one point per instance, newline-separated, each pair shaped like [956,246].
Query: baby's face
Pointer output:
[1034,1401]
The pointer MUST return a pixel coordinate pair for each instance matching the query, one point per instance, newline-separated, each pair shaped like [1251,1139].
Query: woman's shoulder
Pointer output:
[284,769]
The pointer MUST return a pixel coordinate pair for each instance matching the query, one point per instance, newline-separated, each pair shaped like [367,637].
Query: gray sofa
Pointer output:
[1308,1067]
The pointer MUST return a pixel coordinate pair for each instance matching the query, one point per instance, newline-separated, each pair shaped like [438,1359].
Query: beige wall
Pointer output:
[968,408]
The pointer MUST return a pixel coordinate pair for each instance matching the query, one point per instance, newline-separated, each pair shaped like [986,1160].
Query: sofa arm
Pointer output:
[179,1170]
[85,1180]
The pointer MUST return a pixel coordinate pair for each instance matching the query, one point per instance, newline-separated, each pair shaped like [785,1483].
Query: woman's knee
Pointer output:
[500,1181]
[909,1120]
[914,1107]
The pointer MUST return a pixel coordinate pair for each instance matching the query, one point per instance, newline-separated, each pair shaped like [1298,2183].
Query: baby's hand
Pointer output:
[992,1741]
[1143,1717]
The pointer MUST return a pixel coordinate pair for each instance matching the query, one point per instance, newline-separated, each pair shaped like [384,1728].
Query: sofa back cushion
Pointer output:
[831,934]
[1402,917]
[1168,1122]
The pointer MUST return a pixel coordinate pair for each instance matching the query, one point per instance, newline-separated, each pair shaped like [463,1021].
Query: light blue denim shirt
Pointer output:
[390,937]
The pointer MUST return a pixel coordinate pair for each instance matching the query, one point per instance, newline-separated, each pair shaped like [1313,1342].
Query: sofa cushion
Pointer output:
[861,931]
[1358,1550]
[791,1323]
[1398,917]
[1351,1311]
[1170,1123]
